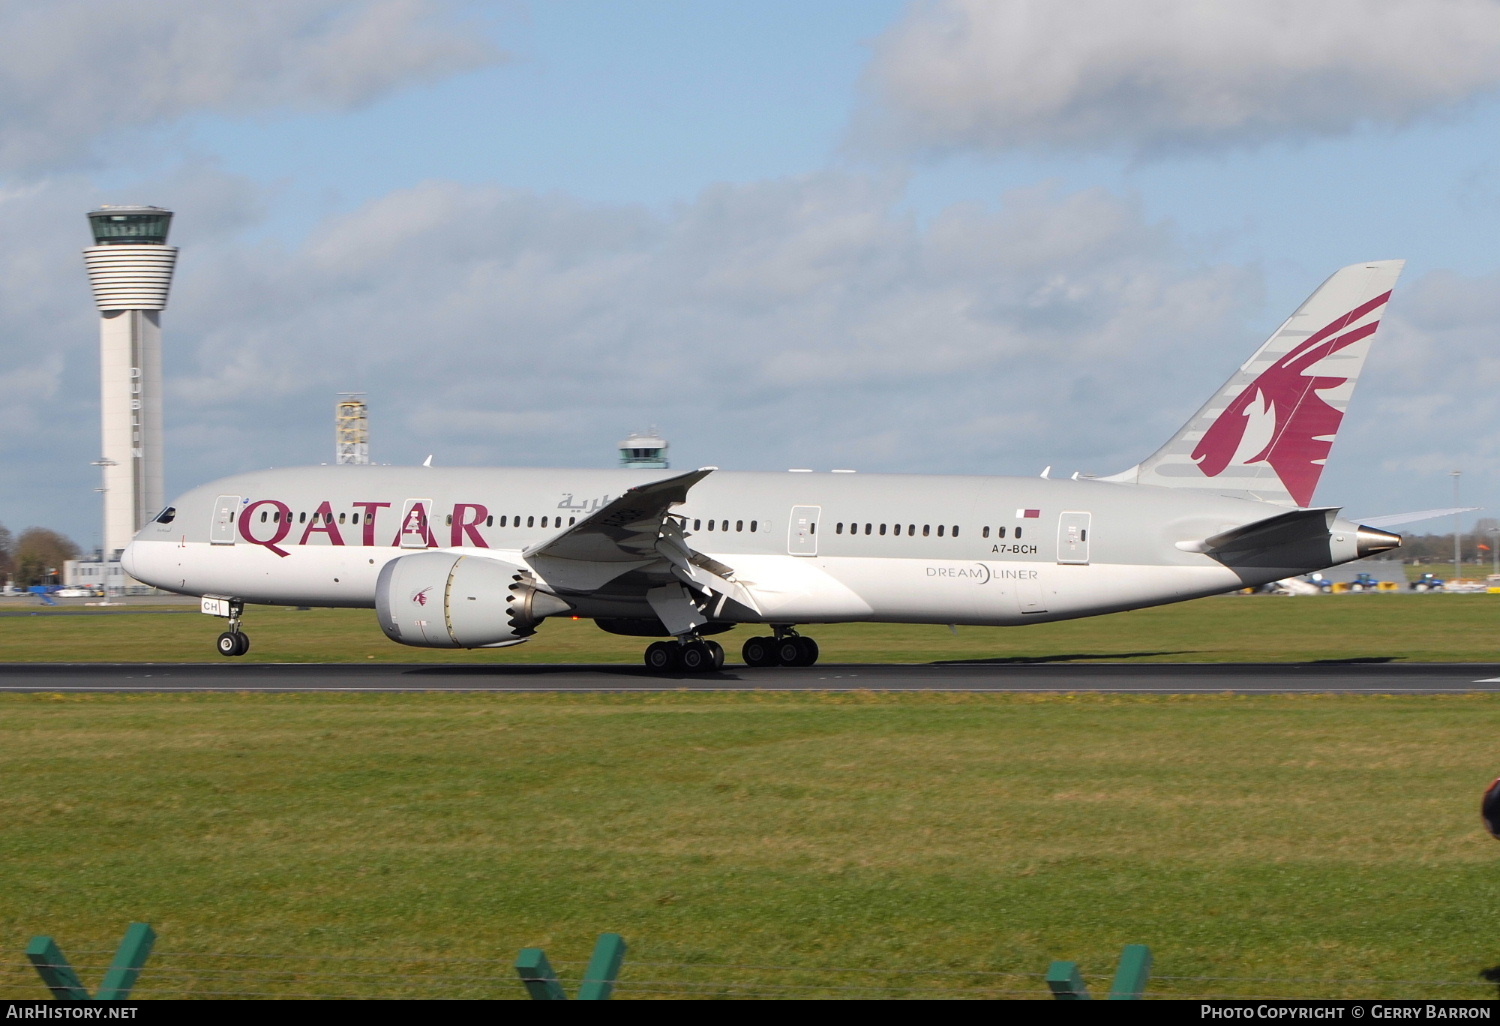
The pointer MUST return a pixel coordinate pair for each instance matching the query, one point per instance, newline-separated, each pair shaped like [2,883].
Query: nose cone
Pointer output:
[1370,540]
[128,560]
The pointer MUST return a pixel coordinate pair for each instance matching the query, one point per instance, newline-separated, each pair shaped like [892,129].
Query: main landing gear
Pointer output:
[233,642]
[787,648]
[697,655]
[692,655]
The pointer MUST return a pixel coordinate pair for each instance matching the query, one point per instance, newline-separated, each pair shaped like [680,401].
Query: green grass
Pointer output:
[1407,627]
[1322,837]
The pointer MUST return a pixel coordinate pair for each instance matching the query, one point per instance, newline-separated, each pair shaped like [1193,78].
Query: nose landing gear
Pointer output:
[233,642]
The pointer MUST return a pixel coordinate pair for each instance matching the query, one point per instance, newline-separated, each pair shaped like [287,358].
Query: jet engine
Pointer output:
[443,600]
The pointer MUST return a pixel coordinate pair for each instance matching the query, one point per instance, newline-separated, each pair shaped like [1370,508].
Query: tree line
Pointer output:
[36,557]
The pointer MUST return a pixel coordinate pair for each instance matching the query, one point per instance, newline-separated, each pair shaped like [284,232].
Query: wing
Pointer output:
[637,532]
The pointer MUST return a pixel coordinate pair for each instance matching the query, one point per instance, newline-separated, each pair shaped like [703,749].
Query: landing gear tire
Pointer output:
[233,643]
[760,652]
[663,656]
[797,651]
[696,657]
[716,651]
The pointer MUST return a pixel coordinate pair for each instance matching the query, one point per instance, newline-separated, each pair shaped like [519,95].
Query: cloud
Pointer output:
[1155,75]
[1433,388]
[806,321]
[74,71]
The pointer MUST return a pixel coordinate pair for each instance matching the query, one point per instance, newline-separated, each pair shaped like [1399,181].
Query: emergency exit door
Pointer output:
[221,531]
[1073,537]
[802,532]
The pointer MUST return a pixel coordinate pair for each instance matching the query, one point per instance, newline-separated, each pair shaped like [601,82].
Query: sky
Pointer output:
[945,236]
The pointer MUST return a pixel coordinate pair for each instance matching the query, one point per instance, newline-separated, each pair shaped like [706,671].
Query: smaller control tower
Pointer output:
[644,452]
[130,269]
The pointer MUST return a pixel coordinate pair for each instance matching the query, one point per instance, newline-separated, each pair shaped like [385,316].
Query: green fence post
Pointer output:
[54,970]
[604,968]
[1066,982]
[130,959]
[536,973]
[1131,976]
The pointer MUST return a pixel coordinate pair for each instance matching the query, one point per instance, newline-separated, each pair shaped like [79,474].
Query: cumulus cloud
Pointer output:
[799,322]
[1171,74]
[1431,394]
[72,71]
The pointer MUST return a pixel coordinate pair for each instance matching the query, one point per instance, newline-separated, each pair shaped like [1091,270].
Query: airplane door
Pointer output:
[226,508]
[416,531]
[1073,538]
[802,531]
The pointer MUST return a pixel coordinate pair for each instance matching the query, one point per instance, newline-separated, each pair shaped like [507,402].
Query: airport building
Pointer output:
[130,270]
[644,452]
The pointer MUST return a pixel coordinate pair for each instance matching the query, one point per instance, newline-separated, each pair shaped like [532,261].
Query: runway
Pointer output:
[1001,677]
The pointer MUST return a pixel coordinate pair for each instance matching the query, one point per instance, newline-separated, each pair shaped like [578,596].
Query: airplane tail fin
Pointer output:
[1267,432]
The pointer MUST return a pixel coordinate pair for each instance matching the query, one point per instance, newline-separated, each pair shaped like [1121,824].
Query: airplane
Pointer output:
[481,558]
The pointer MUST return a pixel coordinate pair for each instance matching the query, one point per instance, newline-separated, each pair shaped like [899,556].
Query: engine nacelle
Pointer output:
[443,600]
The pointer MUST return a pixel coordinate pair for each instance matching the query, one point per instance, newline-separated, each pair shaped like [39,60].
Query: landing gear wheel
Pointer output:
[696,657]
[797,651]
[760,652]
[662,656]
[244,643]
[229,644]
[715,655]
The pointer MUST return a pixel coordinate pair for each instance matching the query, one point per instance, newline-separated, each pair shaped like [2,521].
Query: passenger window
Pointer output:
[710,525]
[838,528]
[448,520]
[263,516]
[955,530]
[911,529]
[926,530]
[999,532]
[544,521]
[531,521]
[489,521]
[302,517]
[342,516]
[697,525]
[1083,536]
[1018,531]
[882,529]
[723,525]
[739,525]
[753,525]
[572,521]
[354,519]
[940,530]
[984,533]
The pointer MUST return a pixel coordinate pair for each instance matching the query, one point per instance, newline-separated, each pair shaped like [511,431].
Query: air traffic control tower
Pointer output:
[130,269]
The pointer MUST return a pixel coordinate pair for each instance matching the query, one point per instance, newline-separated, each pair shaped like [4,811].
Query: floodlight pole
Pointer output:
[1457,520]
[1494,534]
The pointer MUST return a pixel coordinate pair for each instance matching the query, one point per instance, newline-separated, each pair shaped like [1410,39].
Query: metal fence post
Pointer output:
[538,976]
[130,959]
[1066,982]
[1132,974]
[604,968]
[54,970]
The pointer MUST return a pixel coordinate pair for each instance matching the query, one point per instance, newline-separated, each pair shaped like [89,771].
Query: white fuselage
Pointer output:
[807,548]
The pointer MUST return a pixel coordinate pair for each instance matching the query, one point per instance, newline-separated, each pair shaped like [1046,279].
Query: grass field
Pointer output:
[1262,839]
[1237,628]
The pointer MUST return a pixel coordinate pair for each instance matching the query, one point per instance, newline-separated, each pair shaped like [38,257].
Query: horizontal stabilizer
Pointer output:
[1397,519]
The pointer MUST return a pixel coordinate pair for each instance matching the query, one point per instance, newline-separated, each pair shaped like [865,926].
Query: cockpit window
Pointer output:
[166,516]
